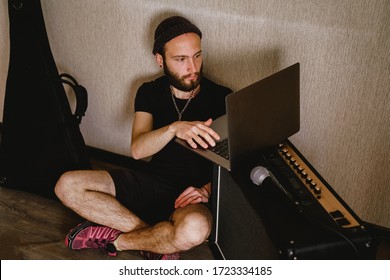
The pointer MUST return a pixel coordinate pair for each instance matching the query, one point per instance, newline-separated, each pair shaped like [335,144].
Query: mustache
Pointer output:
[190,75]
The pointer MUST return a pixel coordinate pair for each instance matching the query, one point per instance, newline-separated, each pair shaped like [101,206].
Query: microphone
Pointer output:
[259,174]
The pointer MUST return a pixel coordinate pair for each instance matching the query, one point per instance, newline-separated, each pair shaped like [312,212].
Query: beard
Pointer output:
[179,82]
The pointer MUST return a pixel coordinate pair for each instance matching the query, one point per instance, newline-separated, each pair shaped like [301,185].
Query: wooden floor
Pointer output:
[33,227]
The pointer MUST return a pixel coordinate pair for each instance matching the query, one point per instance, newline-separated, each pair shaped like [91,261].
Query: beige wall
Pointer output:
[343,48]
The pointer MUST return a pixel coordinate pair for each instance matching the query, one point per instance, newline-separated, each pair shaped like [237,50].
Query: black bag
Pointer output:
[40,137]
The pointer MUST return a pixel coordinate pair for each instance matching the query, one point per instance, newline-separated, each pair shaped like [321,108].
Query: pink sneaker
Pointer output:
[91,235]
[153,256]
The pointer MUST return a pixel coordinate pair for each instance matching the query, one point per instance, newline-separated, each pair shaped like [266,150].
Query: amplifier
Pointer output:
[295,214]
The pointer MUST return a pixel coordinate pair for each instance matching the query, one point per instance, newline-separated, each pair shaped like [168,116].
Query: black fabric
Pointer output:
[151,190]
[41,138]
[171,28]
[174,165]
[148,198]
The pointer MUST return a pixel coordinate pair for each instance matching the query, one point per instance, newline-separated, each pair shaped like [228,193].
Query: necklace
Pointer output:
[180,113]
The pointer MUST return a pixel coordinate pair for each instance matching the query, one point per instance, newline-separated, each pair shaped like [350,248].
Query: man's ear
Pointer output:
[159,60]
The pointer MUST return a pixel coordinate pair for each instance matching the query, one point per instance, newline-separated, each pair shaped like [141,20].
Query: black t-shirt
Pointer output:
[174,165]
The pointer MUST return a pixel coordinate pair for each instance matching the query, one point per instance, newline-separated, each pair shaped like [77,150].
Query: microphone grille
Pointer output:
[258,175]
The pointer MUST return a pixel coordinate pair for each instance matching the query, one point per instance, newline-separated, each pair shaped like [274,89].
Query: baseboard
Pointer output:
[106,156]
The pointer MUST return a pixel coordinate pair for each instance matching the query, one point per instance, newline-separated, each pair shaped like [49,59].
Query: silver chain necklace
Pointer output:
[180,113]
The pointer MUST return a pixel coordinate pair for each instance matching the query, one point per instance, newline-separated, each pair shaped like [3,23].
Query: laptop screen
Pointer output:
[263,114]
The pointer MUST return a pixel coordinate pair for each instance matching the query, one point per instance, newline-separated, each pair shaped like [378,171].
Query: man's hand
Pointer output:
[193,195]
[197,133]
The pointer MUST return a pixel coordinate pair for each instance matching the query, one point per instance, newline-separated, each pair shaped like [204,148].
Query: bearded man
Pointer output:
[161,209]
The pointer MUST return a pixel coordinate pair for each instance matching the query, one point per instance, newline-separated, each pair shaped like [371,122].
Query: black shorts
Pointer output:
[145,196]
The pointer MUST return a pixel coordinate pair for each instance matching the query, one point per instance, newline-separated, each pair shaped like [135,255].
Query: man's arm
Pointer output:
[147,142]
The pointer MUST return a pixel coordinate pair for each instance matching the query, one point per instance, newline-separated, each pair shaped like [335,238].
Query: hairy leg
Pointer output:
[91,194]
[188,227]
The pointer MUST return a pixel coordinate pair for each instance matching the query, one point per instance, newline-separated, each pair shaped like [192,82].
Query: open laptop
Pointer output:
[258,116]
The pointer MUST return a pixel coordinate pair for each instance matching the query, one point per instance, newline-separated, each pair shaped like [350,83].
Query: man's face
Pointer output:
[183,61]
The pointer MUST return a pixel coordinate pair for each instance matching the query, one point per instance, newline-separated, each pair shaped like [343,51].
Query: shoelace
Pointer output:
[102,245]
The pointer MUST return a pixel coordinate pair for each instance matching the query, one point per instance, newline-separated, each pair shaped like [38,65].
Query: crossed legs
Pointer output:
[91,194]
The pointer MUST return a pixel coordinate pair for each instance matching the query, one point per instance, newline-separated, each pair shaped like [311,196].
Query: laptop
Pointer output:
[257,117]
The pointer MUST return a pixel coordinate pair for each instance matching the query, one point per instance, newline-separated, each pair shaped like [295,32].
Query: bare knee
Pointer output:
[73,187]
[65,188]
[192,227]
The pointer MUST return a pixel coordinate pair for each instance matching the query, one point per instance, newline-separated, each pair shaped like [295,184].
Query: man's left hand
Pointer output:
[193,195]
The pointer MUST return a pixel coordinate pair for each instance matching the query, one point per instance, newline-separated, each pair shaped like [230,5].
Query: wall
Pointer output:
[343,48]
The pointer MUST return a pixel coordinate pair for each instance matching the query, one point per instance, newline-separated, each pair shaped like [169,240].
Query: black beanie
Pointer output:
[171,28]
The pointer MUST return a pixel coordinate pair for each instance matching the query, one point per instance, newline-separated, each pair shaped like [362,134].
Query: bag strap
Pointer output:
[81,95]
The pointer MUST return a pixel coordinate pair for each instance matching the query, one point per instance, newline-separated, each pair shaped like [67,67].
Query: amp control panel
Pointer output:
[308,186]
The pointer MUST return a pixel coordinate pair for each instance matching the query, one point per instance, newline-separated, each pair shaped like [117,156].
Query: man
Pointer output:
[160,209]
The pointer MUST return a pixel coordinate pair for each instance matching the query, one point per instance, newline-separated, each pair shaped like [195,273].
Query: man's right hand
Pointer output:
[196,133]
[147,142]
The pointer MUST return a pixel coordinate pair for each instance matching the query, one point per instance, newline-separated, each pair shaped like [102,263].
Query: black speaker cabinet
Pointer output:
[288,217]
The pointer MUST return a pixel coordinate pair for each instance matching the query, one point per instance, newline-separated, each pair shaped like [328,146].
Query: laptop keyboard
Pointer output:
[221,148]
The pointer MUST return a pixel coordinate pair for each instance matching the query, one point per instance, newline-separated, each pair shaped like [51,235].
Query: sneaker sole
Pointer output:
[74,231]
